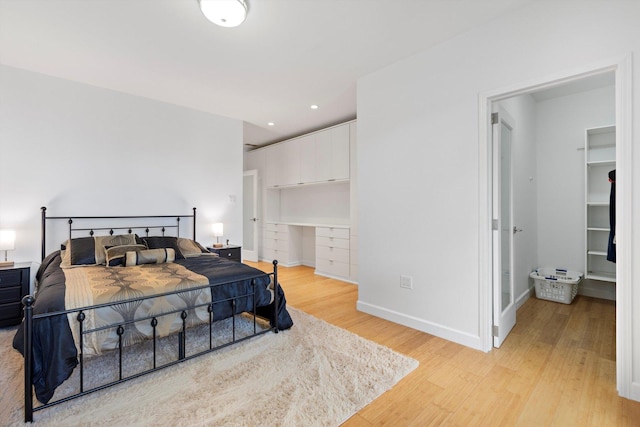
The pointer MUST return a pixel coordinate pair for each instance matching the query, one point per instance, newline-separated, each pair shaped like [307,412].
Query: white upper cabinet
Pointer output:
[290,170]
[318,157]
[340,152]
[308,153]
[273,160]
[282,164]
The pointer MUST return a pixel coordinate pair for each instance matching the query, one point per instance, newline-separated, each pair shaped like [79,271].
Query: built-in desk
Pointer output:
[288,242]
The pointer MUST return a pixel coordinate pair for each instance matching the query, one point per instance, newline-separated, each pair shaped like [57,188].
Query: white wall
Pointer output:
[418,159]
[525,196]
[81,150]
[319,204]
[560,147]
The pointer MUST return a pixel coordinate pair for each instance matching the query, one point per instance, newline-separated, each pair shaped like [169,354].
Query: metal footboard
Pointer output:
[152,320]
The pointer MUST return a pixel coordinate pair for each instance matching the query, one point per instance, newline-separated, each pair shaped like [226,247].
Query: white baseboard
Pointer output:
[342,279]
[282,264]
[440,331]
[597,289]
[635,391]
[524,297]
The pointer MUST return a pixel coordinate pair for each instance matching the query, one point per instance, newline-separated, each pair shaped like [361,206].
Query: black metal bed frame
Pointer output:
[182,356]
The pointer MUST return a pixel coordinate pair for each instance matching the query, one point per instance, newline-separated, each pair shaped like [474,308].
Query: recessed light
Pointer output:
[314,107]
[270,124]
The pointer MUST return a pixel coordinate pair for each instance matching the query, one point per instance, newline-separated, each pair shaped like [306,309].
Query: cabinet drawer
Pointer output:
[280,255]
[270,234]
[267,254]
[269,243]
[333,268]
[280,228]
[10,294]
[342,233]
[233,254]
[280,244]
[332,242]
[333,254]
[10,312]
[10,278]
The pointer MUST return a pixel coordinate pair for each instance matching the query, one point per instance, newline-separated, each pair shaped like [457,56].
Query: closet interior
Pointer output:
[563,162]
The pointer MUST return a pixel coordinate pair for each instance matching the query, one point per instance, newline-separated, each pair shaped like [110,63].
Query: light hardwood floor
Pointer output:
[556,368]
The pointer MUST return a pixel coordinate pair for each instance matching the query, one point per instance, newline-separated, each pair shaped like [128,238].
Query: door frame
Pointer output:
[622,67]
[503,320]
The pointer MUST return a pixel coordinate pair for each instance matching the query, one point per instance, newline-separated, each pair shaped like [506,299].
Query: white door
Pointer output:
[250,216]
[504,307]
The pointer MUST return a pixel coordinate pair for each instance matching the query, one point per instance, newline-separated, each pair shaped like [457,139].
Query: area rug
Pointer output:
[314,374]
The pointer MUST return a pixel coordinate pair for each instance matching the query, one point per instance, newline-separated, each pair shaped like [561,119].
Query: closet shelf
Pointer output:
[602,163]
[598,229]
[598,253]
[601,275]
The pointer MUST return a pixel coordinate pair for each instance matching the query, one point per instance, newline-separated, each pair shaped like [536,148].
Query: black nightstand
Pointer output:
[14,284]
[234,253]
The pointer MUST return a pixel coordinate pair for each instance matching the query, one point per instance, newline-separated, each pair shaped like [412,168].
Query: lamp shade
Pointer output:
[7,240]
[226,13]
[218,229]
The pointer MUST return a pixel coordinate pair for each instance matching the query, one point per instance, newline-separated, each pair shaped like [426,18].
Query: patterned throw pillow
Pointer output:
[160,242]
[115,254]
[107,241]
[78,251]
[91,250]
[150,256]
[190,248]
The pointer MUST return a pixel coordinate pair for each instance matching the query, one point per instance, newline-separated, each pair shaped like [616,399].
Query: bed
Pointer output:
[110,287]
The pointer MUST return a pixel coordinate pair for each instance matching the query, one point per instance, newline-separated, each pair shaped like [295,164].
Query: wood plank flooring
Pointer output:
[556,368]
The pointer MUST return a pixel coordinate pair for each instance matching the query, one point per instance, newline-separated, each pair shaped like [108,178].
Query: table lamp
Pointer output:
[7,243]
[217,232]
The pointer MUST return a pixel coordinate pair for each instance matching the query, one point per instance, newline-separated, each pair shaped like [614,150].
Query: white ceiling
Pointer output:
[287,55]
[584,84]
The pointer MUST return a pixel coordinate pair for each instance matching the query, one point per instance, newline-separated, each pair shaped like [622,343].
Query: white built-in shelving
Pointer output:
[600,159]
[308,192]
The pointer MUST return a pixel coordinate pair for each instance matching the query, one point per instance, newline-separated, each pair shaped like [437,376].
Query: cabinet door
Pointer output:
[323,157]
[290,163]
[340,152]
[308,158]
[272,165]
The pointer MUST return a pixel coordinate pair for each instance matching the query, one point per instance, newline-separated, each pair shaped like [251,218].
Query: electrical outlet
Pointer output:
[406,282]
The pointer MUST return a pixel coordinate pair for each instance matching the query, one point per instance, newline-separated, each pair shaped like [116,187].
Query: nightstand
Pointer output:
[234,253]
[14,284]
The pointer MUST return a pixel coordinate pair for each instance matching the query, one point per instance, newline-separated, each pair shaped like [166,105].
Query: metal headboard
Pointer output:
[111,230]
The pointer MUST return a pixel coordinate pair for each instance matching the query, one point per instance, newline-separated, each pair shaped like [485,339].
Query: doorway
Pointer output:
[622,70]
[250,216]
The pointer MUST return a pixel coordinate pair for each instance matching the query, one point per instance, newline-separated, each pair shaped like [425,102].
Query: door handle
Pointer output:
[515,230]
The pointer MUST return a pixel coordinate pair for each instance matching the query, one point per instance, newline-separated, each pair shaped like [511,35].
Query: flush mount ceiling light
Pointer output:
[226,13]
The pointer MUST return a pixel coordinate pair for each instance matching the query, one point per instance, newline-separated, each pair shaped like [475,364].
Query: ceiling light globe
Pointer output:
[226,13]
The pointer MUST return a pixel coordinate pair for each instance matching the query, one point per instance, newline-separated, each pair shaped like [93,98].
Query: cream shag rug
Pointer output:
[314,374]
